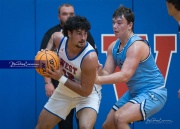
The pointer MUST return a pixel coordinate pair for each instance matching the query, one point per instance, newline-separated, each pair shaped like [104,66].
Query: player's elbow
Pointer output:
[85,94]
[126,78]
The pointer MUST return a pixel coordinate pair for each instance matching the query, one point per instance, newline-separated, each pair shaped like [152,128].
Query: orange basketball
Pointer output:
[44,59]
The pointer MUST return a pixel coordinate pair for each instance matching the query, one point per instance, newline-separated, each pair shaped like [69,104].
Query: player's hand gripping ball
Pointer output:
[44,59]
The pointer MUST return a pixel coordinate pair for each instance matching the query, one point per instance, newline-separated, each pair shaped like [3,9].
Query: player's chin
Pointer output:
[80,45]
[116,34]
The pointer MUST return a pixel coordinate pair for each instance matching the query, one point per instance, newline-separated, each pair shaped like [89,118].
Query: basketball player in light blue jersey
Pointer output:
[76,75]
[146,93]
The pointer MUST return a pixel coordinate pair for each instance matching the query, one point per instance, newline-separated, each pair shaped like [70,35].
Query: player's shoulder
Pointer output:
[90,59]
[112,45]
[58,34]
[91,55]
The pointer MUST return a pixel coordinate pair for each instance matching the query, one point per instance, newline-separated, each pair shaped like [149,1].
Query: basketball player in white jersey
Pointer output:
[77,73]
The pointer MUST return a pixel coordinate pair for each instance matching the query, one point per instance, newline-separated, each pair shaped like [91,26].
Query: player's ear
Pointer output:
[69,33]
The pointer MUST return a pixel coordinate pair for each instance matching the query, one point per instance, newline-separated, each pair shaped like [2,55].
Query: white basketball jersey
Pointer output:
[72,66]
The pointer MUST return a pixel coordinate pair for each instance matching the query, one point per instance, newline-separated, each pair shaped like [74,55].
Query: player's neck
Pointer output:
[125,40]
[73,51]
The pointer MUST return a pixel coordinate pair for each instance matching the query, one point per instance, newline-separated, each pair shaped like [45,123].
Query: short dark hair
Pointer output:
[66,5]
[176,3]
[75,23]
[126,12]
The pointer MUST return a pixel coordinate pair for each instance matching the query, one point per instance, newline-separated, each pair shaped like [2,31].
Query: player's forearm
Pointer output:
[78,88]
[104,73]
[112,78]
[51,45]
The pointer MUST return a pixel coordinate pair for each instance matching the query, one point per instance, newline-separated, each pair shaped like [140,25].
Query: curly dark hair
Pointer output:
[176,3]
[76,23]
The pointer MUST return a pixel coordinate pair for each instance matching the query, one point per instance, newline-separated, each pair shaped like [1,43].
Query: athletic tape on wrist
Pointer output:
[63,79]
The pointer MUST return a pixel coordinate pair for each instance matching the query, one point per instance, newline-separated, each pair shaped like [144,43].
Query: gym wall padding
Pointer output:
[23,24]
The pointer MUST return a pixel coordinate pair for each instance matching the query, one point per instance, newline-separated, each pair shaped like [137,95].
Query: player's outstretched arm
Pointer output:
[137,52]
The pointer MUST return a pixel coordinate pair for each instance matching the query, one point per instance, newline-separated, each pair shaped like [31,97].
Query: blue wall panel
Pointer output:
[23,24]
[17,23]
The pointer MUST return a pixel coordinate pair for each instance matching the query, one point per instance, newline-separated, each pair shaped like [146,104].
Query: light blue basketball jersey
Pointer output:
[147,75]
